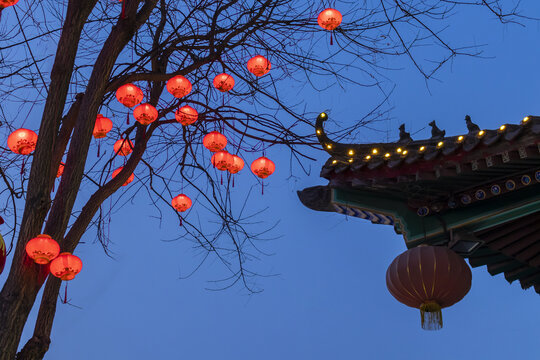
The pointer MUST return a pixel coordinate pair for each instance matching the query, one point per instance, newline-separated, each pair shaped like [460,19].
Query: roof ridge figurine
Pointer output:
[404,137]
[436,133]
[472,127]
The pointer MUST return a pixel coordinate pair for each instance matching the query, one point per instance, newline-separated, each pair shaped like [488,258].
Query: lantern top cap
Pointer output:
[44,236]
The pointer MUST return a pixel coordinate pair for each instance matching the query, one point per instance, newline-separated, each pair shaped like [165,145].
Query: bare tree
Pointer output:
[99,46]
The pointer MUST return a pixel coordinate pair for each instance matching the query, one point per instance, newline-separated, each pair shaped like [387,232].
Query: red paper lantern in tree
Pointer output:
[329,19]
[181,203]
[22,141]
[222,160]
[224,82]
[129,95]
[186,115]
[102,127]
[179,86]
[237,164]
[429,278]
[263,167]
[117,171]
[123,147]
[6,3]
[66,266]
[42,249]
[60,170]
[145,114]
[214,141]
[2,254]
[259,65]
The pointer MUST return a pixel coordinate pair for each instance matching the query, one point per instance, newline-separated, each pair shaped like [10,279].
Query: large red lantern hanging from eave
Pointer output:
[259,65]
[263,167]
[214,141]
[42,249]
[181,203]
[224,82]
[123,147]
[129,95]
[66,266]
[22,141]
[145,114]
[186,115]
[179,86]
[117,171]
[429,278]
[2,254]
[7,3]
[102,127]
[329,19]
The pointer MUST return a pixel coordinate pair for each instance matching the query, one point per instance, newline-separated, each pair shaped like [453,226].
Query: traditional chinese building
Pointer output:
[477,193]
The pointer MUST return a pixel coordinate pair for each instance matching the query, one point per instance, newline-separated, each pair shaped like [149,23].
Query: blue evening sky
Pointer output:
[328,299]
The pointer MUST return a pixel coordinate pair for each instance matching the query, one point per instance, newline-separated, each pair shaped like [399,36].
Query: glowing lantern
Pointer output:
[2,254]
[66,266]
[22,141]
[145,114]
[263,167]
[222,160]
[6,3]
[129,95]
[60,170]
[259,65]
[42,249]
[117,171]
[123,147]
[102,127]
[186,115]
[224,82]
[329,19]
[179,86]
[237,164]
[429,278]
[214,141]
[181,202]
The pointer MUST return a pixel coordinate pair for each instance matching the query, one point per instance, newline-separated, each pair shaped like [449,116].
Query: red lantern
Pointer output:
[42,249]
[263,167]
[214,141]
[259,65]
[145,114]
[60,170]
[2,254]
[6,3]
[102,127]
[117,171]
[181,202]
[329,19]
[66,266]
[179,86]
[123,147]
[429,278]
[186,115]
[22,141]
[129,95]
[237,164]
[224,82]
[222,160]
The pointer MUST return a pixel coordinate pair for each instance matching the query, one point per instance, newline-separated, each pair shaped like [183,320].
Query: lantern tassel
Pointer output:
[431,316]
[180,220]
[221,178]
[98,147]
[123,15]
[22,166]
[65,294]
[232,180]
[331,39]
[127,119]
[262,187]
